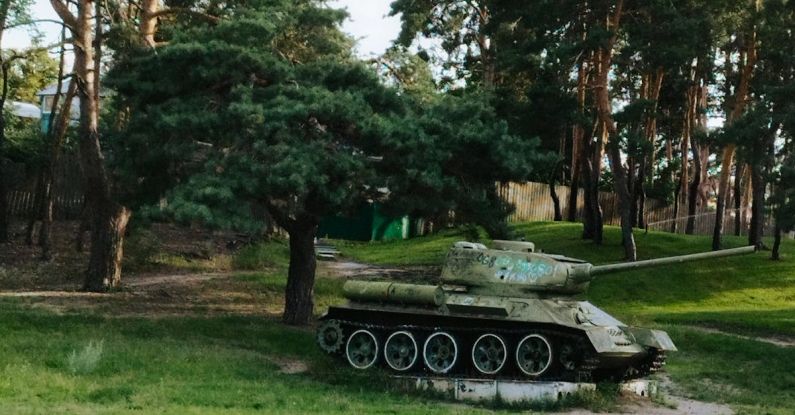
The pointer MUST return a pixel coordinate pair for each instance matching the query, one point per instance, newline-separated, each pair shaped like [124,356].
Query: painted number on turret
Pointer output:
[506,267]
[520,270]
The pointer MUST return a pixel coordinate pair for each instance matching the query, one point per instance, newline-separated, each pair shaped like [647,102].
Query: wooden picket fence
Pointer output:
[533,202]
[67,187]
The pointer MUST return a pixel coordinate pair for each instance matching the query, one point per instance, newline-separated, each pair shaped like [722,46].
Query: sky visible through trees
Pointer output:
[368,22]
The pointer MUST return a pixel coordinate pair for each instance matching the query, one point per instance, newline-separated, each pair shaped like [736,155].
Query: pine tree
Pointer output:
[220,123]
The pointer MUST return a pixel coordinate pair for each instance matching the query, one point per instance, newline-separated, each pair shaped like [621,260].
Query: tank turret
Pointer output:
[503,270]
[505,311]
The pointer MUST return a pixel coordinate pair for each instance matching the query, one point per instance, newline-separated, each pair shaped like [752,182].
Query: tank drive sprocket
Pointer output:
[330,336]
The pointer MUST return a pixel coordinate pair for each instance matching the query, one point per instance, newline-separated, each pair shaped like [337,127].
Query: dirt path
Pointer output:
[161,295]
[780,341]
[683,406]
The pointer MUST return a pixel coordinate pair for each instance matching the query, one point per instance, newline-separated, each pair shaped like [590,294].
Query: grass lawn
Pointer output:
[105,360]
[223,365]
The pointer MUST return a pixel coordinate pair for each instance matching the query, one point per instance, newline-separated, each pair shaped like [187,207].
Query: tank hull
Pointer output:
[577,350]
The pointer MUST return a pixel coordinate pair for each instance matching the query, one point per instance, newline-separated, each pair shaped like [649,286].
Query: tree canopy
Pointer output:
[231,125]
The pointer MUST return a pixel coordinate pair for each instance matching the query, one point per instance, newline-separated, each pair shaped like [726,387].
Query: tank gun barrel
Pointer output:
[604,269]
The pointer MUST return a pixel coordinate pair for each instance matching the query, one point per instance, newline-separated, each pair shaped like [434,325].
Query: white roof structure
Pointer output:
[23,109]
[51,88]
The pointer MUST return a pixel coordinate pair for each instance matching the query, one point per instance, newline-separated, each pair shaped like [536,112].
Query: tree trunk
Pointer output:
[107,238]
[624,202]
[757,207]
[148,21]
[592,219]
[632,177]
[46,217]
[723,189]
[641,222]
[108,218]
[674,222]
[646,167]
[577,145]
[692,192]
[738,195]
[35,214]
[776,255]
[574,190]
[298,304]
[554,195]
[588,226]
[745,200]
[83,227]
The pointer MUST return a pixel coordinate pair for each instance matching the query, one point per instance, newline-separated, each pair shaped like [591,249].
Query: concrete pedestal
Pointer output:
[514,391]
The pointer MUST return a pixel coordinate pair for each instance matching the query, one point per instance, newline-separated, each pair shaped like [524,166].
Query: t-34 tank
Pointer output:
[507,312]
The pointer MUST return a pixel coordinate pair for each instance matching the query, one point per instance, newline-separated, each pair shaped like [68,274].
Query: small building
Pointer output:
[369,224]
[46,98]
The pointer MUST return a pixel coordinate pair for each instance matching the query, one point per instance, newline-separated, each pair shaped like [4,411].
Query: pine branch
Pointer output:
[69,19]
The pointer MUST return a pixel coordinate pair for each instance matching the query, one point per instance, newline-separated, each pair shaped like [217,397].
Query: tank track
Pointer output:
[587,367]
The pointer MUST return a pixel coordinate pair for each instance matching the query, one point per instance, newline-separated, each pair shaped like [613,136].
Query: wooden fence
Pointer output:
[67,190]
[534,202]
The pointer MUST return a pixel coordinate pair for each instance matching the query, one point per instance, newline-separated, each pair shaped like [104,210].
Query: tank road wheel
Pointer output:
[534,355]
[362,349]
[400,351]
[569,357]
[489,354]
[440,352]
[330,337]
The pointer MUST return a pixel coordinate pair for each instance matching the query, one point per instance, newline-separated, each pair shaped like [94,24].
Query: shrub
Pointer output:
[141,249]
[86,360]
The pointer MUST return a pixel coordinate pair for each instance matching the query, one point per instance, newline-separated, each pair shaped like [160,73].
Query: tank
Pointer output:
[500,312]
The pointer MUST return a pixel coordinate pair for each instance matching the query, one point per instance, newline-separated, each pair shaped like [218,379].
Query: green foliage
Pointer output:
[433,170]
[406,71]
[15,13]
[25,144]
[455,26]
[304,132]
[31,73]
